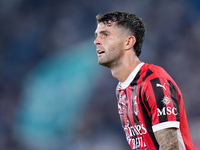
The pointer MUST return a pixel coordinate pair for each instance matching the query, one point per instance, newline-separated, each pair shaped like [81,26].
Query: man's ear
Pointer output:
[130,42]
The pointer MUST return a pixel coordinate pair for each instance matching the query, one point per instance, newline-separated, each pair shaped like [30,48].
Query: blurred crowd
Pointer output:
[33,30]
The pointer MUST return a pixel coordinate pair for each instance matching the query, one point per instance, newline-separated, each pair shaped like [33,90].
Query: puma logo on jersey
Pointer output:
[160,85]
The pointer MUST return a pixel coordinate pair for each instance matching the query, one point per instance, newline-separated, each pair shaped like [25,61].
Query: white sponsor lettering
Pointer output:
[132,133]
[137,142]
[167,111]
[137,130]
[141,129]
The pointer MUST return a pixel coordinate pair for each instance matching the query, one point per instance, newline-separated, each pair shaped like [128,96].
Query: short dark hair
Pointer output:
[128,21]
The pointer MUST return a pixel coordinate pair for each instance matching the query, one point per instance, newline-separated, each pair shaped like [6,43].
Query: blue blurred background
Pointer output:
[54,95]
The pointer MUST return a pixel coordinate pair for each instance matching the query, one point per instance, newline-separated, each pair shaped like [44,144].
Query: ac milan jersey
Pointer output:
[148,101]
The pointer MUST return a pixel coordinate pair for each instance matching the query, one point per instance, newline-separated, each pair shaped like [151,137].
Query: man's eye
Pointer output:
[105,34]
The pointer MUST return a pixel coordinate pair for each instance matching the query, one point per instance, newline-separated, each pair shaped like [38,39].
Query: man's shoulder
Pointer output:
[153,68]
[153,71]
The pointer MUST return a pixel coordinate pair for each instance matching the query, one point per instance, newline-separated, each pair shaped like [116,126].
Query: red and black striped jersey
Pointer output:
[149,100]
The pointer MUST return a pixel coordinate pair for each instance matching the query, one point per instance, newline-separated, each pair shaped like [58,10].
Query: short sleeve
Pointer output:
[161,98]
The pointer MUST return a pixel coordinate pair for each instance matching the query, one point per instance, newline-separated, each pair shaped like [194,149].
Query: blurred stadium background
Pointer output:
[54,95]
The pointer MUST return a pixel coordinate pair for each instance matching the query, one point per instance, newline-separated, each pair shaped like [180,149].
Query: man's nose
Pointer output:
[97,42]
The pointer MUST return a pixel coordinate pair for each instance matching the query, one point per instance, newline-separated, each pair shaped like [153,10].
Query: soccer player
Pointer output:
[150,103]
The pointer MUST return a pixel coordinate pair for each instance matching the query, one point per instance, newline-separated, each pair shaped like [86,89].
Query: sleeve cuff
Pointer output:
[164,125]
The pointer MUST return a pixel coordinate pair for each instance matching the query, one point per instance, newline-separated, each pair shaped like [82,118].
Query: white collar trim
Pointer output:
[130,78]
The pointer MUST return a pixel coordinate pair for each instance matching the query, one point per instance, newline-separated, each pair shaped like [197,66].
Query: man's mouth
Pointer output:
[100,52]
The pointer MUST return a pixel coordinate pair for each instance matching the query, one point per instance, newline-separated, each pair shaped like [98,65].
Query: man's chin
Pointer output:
[103,63]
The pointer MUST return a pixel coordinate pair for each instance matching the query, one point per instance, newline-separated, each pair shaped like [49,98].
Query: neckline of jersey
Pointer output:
[130,78]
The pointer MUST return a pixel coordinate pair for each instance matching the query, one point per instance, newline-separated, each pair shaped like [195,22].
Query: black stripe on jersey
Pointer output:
[159,95]
[147,106]
[174,98]
[145,113]
[148,123]
[148,73]
[134,82]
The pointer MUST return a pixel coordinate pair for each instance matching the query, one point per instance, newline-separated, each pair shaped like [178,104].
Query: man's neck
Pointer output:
[124,70]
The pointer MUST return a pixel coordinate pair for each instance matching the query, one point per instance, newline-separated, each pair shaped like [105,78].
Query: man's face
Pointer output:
[109,44]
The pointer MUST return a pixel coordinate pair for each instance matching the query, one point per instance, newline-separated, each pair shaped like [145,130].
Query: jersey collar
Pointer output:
[130,78]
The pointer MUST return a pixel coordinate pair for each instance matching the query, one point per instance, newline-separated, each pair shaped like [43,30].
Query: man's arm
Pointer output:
[167,139]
